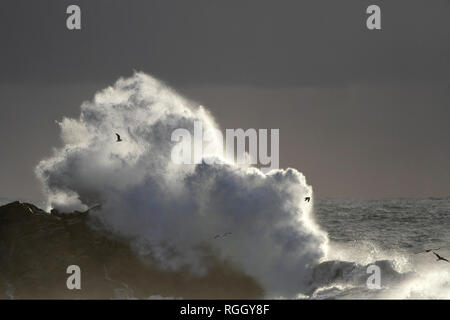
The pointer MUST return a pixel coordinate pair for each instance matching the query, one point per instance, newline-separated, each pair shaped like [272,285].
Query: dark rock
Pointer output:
[36,248]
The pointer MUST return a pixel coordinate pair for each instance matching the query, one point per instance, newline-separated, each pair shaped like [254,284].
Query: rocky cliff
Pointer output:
[36,248]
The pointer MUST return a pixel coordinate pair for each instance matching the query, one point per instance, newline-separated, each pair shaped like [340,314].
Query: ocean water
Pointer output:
[391,232]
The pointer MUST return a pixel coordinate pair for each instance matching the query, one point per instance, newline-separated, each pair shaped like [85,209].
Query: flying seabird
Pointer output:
[118,138]
[428,250]
[308,199]
[223,235]
[439,257]
[97,206]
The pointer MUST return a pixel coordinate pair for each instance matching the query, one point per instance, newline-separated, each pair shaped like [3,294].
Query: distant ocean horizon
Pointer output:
[38,202]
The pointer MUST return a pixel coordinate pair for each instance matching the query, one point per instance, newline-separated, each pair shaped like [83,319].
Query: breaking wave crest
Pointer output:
[170,213]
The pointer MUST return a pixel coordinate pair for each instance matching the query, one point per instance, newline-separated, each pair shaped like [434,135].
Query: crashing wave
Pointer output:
[171,212]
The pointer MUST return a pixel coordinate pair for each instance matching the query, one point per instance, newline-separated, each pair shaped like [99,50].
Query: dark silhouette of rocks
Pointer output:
[36,248]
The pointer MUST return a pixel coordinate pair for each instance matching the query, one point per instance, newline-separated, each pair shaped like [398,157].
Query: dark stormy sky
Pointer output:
[363,114]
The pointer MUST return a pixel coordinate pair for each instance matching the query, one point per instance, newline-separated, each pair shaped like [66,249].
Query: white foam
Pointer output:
[172,212]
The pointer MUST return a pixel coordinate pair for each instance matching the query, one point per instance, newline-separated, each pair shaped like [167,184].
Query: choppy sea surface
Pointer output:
[390,231]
